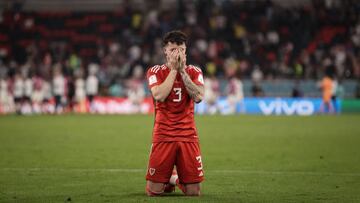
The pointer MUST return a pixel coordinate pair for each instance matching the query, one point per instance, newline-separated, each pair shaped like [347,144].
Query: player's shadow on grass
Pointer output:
[140,194]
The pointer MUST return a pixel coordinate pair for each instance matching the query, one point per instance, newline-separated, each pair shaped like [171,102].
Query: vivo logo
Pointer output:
[279,107]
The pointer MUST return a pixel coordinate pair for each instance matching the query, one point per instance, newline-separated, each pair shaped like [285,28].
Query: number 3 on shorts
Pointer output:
[198,158]
[178,93]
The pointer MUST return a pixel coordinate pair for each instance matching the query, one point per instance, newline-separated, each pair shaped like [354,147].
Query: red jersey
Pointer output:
[174,118]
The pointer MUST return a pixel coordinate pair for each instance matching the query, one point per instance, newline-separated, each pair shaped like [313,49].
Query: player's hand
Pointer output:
[173,60]
[182,62]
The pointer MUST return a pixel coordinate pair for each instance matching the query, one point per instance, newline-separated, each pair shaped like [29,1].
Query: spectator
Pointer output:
[3,94]
[234,89]
[80,93]
[92,87]
[116,89]
[257,75]
[70,93]
[235,95]
[47,95]
[37,96]
[58,89]
[136,92]
[257,90]
[28,91]
[5,98]
[18,92]
[296,91]
[211,89]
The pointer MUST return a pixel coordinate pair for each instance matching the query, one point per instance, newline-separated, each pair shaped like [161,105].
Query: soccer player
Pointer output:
[326,86]
[175,87]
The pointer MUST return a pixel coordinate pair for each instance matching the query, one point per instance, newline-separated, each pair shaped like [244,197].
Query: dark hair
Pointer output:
[175,36]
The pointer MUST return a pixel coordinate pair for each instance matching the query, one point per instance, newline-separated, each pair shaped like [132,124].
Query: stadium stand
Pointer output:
[281,41]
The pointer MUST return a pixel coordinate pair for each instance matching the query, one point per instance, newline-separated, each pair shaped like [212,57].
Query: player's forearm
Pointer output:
[196,92]
[161,92]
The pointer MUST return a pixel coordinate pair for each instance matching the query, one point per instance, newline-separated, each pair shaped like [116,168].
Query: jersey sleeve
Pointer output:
[153,76]
[196,75]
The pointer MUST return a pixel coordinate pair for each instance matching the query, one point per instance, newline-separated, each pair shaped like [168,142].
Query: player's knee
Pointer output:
[192,190]
[154,189]
[150,193]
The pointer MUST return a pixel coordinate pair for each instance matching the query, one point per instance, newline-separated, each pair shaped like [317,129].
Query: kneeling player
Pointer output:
[175,87]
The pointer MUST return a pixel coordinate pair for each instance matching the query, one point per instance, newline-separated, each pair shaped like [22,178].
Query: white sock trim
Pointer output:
[173,179]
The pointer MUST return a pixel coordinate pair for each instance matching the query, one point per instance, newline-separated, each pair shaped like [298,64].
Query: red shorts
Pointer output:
[184,155]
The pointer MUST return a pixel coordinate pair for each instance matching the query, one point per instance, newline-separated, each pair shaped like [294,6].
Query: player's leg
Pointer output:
[189,168]
[331,107]
[170,186]
[192,189]
[187,189]
[174,181]
[154,189]
[161,164]
[322,107]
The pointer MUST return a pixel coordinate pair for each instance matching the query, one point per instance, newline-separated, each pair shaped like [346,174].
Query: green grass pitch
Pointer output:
[94,158]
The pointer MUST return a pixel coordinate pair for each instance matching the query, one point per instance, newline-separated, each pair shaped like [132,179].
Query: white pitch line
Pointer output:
[133,170]
[312,173]
[111,170]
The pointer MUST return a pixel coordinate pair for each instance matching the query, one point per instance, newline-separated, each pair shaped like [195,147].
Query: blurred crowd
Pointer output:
[107,53]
